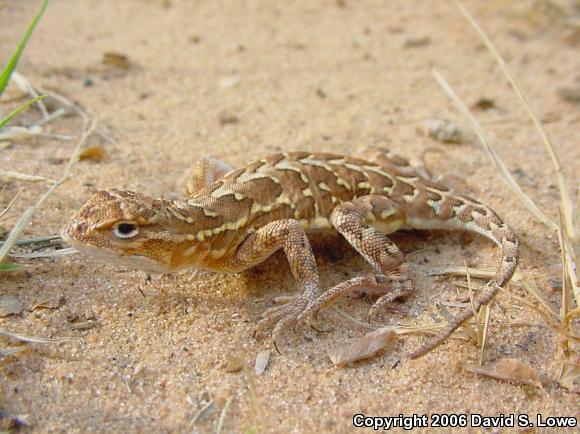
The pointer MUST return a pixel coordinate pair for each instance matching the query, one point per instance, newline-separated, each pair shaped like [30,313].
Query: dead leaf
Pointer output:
[420,41]
[95,153]
[364,348]
[506,369]
[227,118]
[117,60]
[484,103]
[570,377]
[262,360]
[9,305]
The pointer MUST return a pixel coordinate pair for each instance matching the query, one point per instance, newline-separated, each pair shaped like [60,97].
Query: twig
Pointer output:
[223,415]
[5,210]
[563,186]
[27,215]
[506,175]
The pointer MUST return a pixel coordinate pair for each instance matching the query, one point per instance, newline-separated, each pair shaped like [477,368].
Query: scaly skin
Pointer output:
[235,219]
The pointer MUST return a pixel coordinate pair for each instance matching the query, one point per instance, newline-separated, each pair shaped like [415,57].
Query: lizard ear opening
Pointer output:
[125,230]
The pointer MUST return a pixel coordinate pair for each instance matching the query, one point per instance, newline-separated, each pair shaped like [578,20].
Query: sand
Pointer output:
[237,80]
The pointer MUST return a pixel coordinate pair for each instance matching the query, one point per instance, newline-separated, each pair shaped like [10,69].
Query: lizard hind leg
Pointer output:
[204,172]
[364,223]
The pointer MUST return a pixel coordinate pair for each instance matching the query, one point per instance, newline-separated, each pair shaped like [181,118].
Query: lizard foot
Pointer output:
[280,318]
[389,288]
[398,287]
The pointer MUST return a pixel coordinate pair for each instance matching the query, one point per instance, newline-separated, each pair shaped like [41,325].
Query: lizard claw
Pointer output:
[280,318]
[398,290]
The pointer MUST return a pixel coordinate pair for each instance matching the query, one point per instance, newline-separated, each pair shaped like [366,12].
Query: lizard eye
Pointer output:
[125,230]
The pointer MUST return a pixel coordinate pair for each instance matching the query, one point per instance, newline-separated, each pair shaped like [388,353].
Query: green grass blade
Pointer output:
[11,65]
[10,266]
[20,109]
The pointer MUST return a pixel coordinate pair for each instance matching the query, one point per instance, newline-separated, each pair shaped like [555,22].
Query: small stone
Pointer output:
[262,360]
[555,284]
[234,364]
[443,130]
[10,305]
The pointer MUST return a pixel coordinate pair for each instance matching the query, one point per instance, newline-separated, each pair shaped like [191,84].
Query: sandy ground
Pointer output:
[237,80]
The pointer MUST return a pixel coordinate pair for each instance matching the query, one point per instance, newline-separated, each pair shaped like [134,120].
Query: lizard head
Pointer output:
[127,228]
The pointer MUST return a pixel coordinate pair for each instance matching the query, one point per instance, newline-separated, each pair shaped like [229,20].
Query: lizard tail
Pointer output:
[492,227]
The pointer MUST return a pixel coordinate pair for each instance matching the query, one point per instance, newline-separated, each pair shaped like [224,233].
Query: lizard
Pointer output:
[233,219]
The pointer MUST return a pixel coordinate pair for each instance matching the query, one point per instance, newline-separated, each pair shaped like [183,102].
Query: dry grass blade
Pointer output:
[570,377]
[24,176]
[3,213]
[205,411]
[569,275]
[42,240]
[24,84]
[486,311]
[57,99]
[12,350]
[222,418]
[574,314]
[86,325]
[46,254]
[353,319]
[460,272]
[481,134]
[476,334]
[51,117]
[33,339]
[19,133]
[15,233]
[538,295]
[565,196]
[432,329]
[549,320]
[470,290]
[27,215]
[565,305]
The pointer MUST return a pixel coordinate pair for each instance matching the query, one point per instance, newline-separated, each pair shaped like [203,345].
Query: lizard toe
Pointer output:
[280,318]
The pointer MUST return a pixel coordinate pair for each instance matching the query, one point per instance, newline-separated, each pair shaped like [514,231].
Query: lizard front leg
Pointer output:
[290,236]
[358,222]
[204,172]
